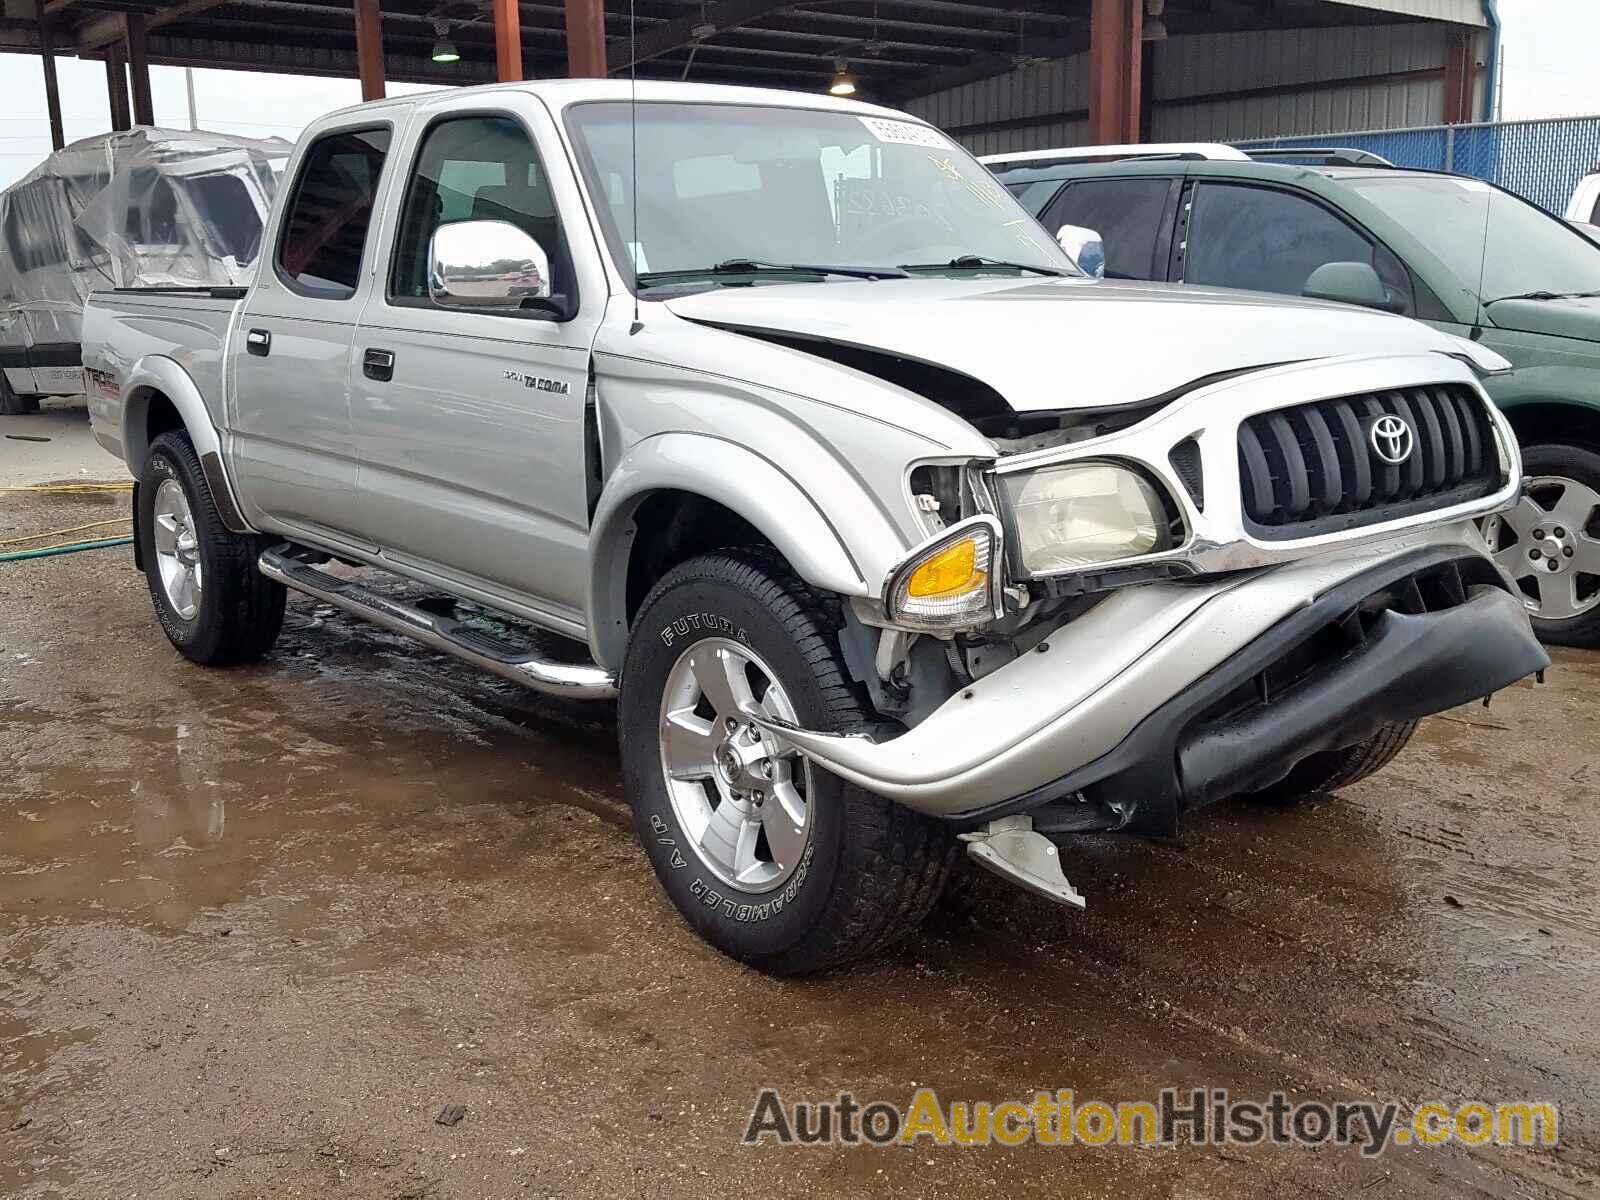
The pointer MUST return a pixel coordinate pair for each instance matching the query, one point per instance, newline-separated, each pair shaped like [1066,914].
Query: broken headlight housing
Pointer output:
[1083,514]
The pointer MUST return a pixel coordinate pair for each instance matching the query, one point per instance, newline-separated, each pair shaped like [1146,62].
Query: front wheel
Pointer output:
[213,602]
[771,859]
[1550,543]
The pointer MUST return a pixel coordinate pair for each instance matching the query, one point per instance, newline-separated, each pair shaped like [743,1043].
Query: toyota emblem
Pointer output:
[1392,439]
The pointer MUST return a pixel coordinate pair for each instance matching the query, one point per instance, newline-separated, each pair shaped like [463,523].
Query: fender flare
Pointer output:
[157,374]
[737,478]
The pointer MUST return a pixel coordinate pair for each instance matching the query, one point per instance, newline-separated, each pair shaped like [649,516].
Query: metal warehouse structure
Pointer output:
[1001,74]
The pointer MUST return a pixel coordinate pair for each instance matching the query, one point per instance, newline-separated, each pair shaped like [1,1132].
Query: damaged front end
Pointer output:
[1296,591]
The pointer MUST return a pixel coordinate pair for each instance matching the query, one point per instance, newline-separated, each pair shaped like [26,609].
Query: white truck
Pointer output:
[895,531]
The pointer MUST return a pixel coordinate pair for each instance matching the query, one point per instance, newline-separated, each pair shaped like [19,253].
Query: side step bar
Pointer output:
[574,681]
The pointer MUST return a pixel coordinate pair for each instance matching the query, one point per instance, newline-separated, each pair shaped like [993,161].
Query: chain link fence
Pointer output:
[1541,160]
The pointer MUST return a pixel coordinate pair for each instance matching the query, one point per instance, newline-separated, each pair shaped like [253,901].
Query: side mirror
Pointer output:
[486,264]
[1086,247]
[1350,283]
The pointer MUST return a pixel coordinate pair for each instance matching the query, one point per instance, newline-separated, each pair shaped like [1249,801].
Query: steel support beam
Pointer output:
[586,39]
[686,30]
[52,88]
[139,69]
[1460,76]
[507,41]
[1116,29]
[117,87]
[369,48]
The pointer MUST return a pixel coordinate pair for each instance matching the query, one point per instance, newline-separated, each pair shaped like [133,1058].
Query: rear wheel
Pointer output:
[1331,770]
[1550,543]
[13,405]
[771,859]
[214,604]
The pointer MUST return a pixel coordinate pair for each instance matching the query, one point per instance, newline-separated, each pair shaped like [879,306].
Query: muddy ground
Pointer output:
[258,927]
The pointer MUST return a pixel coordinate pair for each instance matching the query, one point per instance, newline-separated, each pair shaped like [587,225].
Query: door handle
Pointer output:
[258,342]
[378,364]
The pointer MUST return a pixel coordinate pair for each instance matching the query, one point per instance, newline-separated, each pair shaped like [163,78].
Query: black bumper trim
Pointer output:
[1410,667]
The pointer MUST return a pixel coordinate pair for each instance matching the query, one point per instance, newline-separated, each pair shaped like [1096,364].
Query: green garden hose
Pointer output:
[48,551]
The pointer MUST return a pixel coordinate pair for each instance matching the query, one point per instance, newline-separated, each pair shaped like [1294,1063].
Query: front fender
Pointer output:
[156,374]
[748,484]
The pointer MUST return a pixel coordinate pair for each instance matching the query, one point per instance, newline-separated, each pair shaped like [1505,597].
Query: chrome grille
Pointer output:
[1315,468]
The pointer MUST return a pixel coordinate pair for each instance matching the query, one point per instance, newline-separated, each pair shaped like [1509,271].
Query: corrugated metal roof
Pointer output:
[1462,12]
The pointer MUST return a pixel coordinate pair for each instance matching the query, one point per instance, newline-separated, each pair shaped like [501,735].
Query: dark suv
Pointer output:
[1458,253]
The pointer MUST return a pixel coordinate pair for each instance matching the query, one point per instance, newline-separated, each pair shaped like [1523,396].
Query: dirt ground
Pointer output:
[258,927]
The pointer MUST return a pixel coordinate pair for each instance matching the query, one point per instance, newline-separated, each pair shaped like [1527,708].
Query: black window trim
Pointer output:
[294,194]
[1180,264]
[561,264]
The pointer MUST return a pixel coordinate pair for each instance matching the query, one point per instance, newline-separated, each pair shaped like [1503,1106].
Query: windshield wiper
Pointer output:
[977,262]
[755,266]
[1550,296]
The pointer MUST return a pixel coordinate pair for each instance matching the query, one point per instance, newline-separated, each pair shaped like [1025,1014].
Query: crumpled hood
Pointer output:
[1065,343]
[1576,318]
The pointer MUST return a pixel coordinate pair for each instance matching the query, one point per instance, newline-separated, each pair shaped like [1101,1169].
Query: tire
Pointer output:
[1563,498]
[1331,770]
[13,405]
[867,872]
[237,611]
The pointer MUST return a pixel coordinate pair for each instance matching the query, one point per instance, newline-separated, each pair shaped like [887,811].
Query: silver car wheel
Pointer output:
[742,799]
[1544,544]
[177,548]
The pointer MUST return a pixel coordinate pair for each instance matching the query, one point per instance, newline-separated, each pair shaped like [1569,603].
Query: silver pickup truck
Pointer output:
[894,532]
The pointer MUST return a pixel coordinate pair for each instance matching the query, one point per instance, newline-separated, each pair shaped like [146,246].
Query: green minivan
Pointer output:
[1461,254]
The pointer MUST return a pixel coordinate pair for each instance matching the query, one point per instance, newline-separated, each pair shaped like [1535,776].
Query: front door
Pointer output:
[471,423]
[290,362]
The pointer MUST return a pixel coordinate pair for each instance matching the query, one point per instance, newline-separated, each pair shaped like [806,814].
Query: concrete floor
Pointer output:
[258,927]
[53,444]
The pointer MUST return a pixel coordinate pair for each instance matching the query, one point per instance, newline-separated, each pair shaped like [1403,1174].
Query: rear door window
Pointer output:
[1268,240]
[1130,215]
[325,228]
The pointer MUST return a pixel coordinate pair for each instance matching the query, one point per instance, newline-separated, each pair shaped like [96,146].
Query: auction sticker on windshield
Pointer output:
[905,133]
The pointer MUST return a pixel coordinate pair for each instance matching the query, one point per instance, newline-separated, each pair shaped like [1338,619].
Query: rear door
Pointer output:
[472,423]
[1133,215]
[290,357]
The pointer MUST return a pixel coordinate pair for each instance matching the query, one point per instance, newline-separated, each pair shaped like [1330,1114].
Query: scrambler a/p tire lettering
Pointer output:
[870,870]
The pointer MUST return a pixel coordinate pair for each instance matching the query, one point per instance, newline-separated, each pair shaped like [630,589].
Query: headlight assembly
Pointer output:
[1084,514]
[950,582]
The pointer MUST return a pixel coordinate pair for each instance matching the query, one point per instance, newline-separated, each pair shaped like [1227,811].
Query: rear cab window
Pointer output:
[330,213]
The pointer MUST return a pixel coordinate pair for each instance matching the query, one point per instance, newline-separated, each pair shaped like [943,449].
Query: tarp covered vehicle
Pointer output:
[142,208]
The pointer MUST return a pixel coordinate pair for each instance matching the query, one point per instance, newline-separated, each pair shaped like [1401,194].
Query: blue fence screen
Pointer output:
[1541,160]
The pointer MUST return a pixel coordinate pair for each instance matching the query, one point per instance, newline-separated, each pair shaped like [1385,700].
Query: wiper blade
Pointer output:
[1550,296]
[753,266]
[976,262]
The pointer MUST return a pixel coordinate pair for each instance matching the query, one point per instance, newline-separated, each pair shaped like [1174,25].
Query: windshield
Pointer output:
[721,183]
[1474,228]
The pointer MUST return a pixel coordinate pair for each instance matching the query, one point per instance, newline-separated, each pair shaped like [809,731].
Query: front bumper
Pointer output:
[1126,697]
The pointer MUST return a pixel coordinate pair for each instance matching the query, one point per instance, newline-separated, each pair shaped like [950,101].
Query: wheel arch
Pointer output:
[1565,422]
[159,397]
[678,495]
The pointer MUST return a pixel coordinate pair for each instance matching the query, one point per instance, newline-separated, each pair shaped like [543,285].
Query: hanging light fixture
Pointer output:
[844,83]
[444,50]
[1155,29]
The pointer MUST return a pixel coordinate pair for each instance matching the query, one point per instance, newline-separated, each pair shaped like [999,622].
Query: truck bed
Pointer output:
[122,326]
